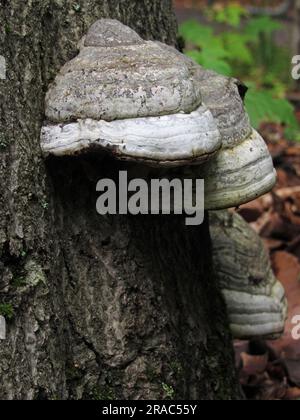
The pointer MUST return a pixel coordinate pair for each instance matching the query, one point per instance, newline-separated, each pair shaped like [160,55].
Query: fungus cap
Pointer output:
[242,169]
[136,98]
[239,175]
[256,301]
[224,97]
[236,175]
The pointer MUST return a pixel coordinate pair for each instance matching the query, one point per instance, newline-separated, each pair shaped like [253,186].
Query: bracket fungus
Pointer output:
[144,101]
[255,299]
[132,97]
[237,175]
[242,169]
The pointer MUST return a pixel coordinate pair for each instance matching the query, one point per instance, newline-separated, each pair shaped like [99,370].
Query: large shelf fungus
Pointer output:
[145,102]
[255,299]
[131,97]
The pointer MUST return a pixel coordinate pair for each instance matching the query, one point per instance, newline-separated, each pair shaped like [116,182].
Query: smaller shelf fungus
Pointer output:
[238,174]
[242,169]
[255,299]
[145,102]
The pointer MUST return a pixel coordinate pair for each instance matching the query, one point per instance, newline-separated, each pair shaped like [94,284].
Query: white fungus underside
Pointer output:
[163,140]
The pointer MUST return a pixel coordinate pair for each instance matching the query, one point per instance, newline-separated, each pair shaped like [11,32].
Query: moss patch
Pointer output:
[7,310]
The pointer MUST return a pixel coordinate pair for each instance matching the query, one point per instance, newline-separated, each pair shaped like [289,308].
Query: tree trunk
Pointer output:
[96,307]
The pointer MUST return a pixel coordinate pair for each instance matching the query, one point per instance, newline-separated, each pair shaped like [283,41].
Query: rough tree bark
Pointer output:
[96,307]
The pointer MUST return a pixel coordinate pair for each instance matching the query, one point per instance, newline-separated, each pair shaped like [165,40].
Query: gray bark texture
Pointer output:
[96,307]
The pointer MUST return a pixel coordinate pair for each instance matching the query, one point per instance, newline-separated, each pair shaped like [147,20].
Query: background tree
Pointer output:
[97,307]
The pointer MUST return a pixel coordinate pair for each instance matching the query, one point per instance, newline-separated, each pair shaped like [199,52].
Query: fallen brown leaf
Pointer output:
[254,365]
[287,192]
[287,270]
[292,394]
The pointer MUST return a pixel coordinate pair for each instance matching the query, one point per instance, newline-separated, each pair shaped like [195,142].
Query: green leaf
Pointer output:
[250,54]
[292,134]
[263,107]
[237,48]
[7,310]
[261,25]
[275,86]
[208,61]
[194,32]
[231,15]
[284,111]
[215,47]
[218,65]
[256,107]
[195,55]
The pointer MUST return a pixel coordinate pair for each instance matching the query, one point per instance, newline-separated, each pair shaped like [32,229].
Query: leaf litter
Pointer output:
[270,370]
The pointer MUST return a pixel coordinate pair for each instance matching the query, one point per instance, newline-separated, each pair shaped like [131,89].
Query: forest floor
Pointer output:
[271,370]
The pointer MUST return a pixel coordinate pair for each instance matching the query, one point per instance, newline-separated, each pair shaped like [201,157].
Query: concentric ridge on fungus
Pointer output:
[132,97]
[237,175]
[256,301]
[183,136]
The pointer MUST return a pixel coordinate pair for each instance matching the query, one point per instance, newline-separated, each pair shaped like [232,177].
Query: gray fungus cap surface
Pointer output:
[110,33]
[224,97]
[138,99]
[118,75]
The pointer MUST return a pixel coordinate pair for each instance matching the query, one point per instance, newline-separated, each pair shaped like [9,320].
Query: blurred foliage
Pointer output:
[245,49]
